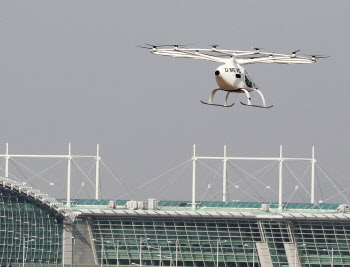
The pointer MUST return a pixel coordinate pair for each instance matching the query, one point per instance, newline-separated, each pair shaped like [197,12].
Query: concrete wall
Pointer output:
[264,254]
[77,247]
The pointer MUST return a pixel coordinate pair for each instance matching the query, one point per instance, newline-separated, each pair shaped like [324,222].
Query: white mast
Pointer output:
[69,175]
[7,161]
[97,193]
[280,186]
[224,178]
[313,161]
[194,178]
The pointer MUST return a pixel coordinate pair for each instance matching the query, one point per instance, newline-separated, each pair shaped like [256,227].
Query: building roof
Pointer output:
[37,197]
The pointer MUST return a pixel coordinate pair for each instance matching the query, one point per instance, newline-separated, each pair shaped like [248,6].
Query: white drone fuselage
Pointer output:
[232,77]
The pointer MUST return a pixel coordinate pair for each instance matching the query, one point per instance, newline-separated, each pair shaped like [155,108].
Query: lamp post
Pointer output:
[160,253]
[24,246]
[101,241]
[219,243]
[332,250]
[141,248]
[253,246]
[117,254]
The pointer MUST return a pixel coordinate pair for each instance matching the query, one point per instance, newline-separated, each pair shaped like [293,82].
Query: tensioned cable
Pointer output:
[81,179]
[315,203]
[251,175]
[319,185]
[172,180]
[156,178]
[45,170]
[25,177]
[333,183]
[254,173]
[212,179]
[13,161]
[118,180]
[87,177]
[248,183]
[299,182]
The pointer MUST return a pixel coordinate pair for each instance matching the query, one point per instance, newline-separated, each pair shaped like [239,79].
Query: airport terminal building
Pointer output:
[41,230]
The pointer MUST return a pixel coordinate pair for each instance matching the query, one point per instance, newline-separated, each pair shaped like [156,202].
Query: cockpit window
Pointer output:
[248,81]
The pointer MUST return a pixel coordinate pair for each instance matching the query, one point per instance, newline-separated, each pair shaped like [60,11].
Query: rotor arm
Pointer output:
[180,53]
[278,60]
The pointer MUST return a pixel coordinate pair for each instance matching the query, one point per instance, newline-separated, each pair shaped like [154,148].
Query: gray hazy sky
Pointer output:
[71,72]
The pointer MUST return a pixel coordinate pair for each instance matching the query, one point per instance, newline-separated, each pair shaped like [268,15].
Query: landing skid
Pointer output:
[210,102]
[217,105]
[256,106]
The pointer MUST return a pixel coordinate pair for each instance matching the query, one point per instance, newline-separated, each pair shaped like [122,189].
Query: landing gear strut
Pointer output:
[250,102]
[210,102]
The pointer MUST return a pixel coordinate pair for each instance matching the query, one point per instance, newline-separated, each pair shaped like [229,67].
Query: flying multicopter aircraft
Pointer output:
[231,76]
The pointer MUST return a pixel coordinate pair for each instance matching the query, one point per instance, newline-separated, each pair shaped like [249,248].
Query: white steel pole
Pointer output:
[97,193]
[332,257]
[69,175]
[217,255]
[176,252]
[160,255]
[118,254]
[101,253]
[280,187]
[194,178]
[224,178]
[313,176]
[7,161]
[24,247]
[140,250]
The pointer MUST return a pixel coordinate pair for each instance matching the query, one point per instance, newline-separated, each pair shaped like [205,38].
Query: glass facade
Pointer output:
[199,242]
[232,242]
[22,221]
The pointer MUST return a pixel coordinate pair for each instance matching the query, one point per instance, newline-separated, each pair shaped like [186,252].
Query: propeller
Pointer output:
[317,56]
[294,52]
[164,45]
[257,48]
[214,46]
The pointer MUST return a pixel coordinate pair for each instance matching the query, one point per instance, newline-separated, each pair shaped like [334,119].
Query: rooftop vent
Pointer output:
[152,204]
[111,204]
[343,208]
[265,207]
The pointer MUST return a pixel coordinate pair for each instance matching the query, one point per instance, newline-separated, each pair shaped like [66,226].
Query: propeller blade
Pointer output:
[214,46]
[317,56]
[144,47]
[294,52]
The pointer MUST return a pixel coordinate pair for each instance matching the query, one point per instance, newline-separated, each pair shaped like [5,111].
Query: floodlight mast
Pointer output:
[69,158]
[279,159]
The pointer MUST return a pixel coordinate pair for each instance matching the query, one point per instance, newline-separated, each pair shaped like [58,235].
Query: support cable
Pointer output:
[212,180]
[319,186]
[86,176]
[333,183]
[245,180]
[159,176]
[252,175]
[33,172]
[172,180]
[299,181]
[115,177]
